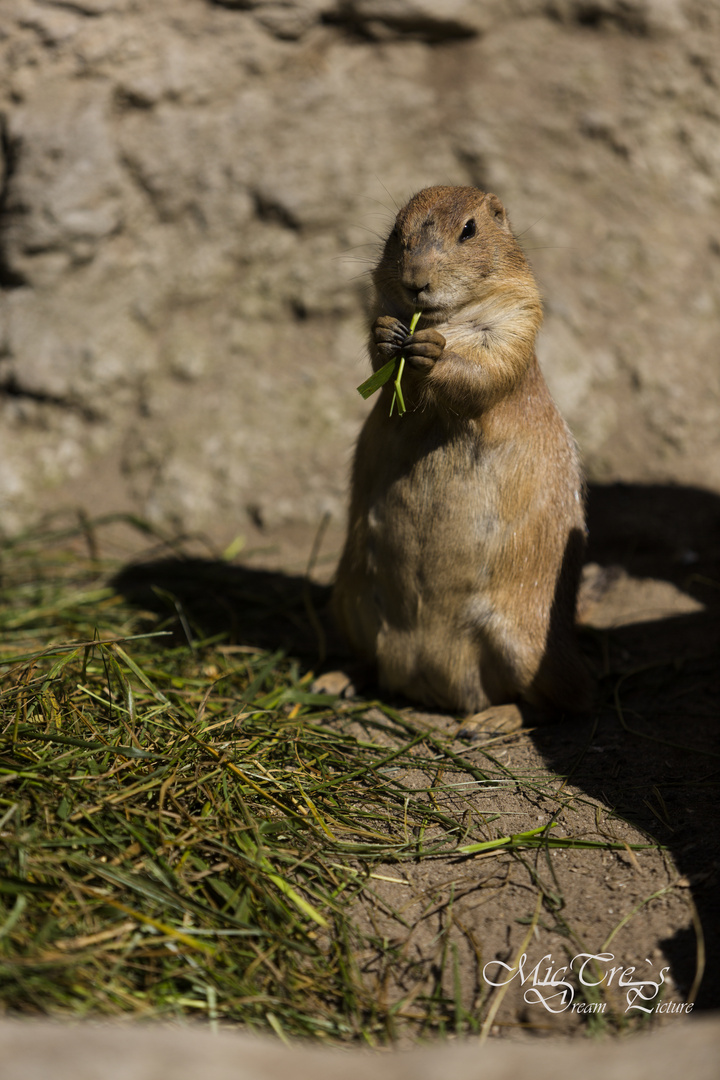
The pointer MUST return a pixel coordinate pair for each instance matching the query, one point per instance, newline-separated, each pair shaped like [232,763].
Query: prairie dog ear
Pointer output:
[497,211]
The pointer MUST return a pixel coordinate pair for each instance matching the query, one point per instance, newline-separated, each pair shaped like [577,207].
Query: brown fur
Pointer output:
[466,531]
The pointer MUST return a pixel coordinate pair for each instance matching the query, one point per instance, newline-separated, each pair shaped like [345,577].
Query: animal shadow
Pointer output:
[659,696]
[200,599]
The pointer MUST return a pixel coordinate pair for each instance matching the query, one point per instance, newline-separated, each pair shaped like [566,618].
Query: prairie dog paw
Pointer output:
[423,348]
[497,720]
[389,335]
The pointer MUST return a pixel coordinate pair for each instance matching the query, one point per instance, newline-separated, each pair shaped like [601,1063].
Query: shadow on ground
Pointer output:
[205,598]
[651,752]
[660,765]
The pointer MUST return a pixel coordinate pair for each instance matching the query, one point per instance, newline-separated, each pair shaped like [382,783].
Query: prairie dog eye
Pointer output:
[469,230]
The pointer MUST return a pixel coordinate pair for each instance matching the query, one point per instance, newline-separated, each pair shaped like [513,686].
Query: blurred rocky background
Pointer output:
[193,192]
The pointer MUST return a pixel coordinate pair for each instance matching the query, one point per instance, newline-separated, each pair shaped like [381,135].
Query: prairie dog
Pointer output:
[466,529]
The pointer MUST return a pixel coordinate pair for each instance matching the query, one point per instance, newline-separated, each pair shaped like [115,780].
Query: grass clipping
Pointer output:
[187,831]
[385,373]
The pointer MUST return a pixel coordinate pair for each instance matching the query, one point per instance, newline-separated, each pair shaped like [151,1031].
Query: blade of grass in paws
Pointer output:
[377,379]
[398,394]
[386,372]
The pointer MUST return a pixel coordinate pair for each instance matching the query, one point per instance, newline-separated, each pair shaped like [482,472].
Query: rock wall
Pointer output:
[193,192]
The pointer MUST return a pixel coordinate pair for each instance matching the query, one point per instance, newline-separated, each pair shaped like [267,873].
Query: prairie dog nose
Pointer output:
[412,285]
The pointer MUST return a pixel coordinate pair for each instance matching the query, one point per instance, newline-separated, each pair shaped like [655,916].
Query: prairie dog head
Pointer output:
[450,248]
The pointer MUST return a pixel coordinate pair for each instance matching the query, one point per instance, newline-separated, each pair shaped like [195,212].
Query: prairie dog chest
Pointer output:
[441,503]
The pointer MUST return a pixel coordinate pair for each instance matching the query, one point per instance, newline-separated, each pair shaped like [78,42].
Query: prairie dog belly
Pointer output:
[430,570]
